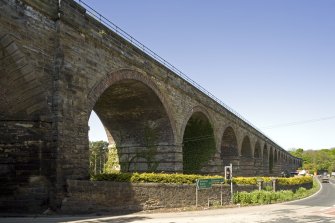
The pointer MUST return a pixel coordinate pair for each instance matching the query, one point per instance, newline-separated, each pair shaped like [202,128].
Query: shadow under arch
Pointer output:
[246,159]
[229,149]
[258,164]
[198,143]
[265,160]
[137,121]
[28,164]
[271,165]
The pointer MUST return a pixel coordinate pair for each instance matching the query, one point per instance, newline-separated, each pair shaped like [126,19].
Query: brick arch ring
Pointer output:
[128,74]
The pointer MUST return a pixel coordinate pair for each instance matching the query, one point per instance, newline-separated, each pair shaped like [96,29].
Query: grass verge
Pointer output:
[269,197]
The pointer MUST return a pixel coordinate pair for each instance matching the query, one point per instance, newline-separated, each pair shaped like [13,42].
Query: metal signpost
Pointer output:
[228,173]
[206,184]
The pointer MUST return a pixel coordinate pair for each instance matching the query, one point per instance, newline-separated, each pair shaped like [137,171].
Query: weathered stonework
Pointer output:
[57,64]
[99,196]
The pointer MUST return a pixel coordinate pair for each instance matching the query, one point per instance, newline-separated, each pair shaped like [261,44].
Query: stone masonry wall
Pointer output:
[90,196]
[104,196]
[55,59]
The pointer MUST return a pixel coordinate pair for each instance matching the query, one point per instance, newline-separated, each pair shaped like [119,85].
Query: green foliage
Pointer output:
[148,153]
[316,160]
[295,180]
[263,197]
[98,151]
[189,178]
[198,144]
[249,180]
[151,178]
[268,196]
[280,180]
[300,193]
[112,164]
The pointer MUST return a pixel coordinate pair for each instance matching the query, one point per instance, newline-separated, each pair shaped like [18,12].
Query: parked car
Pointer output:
[325,179]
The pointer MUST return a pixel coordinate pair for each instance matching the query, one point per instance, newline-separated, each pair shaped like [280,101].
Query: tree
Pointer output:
[98,156]
[316,160]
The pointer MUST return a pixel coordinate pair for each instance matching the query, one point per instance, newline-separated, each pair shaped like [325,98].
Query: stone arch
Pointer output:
[257,151]
[26,129]
[198,142]
[275,156]
[258,164]
[246,150]
[265,160]
[190,113]
[246,164]
[271,164]
[229,147]
[229,143]
[21,91]
[136,119]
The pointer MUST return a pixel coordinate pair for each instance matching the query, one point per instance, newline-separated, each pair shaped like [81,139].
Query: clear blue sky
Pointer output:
[271,61]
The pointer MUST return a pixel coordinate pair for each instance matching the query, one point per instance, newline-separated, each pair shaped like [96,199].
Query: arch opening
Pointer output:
[246,164]
[271,160]
[198,143]
[229,149]
[258,159]
[246,148]
[257,153]
[265,160]
[137,127]
[98,146]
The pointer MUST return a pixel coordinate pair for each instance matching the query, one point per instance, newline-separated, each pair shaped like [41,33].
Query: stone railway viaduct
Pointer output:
[58,64]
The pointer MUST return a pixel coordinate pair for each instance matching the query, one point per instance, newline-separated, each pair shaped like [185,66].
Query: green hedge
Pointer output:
[280,180]
[151,178]
[295,180]
[189,178]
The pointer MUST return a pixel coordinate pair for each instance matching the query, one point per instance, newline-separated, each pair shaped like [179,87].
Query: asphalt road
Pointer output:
[319,208]
[325,198]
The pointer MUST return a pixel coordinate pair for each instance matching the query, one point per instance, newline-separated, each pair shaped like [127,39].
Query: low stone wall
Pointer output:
[106,196]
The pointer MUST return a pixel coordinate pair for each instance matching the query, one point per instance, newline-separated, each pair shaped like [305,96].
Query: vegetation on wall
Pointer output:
[280,180]
[191,178]
[198,144]
[316,161]
[104,159]
[152,178]
[147,152]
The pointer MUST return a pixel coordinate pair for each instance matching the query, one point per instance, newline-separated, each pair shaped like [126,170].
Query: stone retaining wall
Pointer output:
[104,196]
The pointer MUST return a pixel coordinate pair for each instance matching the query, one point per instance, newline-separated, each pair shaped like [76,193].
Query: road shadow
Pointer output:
[301,219]
[91,219]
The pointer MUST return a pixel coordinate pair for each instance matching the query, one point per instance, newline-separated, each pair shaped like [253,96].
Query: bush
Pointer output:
[189,178]
[295,180]
[262,197]
[300,193]
[151,178]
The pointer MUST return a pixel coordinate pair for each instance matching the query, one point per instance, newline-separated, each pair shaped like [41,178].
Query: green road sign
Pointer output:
[217,180]
[204,184]
[207,183]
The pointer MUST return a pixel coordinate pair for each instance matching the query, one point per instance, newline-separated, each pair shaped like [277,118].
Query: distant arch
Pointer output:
[265,160]
[198,143]
[257,152]
[246,147]
[229,143]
